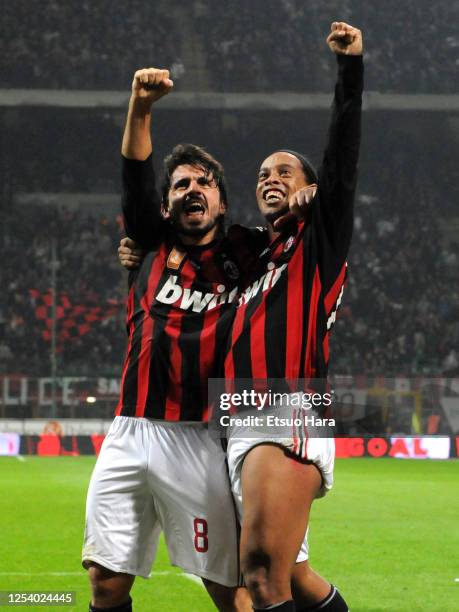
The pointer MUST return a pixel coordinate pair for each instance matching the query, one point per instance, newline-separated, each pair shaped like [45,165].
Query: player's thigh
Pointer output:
[194,502]
[277,493]
[122,528]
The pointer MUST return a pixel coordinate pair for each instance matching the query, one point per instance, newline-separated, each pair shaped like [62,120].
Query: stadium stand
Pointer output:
[235,53]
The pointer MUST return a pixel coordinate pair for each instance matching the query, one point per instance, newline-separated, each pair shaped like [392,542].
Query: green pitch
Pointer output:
[387,536]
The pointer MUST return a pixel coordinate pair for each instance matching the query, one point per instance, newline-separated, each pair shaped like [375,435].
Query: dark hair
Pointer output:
[309,171]
[194,156]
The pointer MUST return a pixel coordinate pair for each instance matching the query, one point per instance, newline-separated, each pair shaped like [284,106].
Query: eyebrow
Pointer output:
[266,169]
[206,177]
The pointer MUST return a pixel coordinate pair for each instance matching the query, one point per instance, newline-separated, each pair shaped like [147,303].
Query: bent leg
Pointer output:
[277,493]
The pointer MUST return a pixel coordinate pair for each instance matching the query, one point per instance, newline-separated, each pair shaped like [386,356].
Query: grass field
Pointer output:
[388,536]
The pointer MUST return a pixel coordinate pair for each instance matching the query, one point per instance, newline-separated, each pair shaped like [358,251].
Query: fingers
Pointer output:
[344,38]
[298,206]
[128,260]
[128,242]
[129,256]
[152,79]
[300,200]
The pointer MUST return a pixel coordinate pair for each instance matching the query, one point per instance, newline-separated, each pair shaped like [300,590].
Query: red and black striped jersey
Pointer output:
[180,308]
[177,320]
[284,315]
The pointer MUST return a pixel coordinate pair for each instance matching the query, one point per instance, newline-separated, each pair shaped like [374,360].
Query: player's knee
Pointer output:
[109,588]
[256,567]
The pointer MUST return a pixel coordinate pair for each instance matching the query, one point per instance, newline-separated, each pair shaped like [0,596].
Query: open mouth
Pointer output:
[194,209]
[273,195]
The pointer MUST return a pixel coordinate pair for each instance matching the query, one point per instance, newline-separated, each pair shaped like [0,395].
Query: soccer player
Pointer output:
[281,331]
[275,480]
[158,468]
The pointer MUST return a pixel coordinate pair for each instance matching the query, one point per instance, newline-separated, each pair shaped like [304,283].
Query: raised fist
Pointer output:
[344,39]
[151,84]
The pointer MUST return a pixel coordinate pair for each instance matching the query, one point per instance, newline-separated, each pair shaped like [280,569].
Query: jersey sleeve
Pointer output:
[141,203]
[332,212]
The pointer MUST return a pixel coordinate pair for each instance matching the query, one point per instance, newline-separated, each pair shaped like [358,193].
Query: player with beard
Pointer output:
[281,331]
[158,469]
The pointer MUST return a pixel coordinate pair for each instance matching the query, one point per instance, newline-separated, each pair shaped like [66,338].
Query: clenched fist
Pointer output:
[298,206]
[345,39]
[151,84]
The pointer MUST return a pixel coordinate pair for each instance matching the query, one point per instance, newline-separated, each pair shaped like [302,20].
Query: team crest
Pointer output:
[289,244]
[231,270]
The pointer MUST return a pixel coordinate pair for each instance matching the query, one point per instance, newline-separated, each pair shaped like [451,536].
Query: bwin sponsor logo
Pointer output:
[267,281]
[197,301]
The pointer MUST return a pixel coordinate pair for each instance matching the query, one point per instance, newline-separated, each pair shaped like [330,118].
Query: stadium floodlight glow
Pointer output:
[91,399]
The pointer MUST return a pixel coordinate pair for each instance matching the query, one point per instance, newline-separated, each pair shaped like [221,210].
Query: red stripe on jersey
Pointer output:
[295,316]
[296,441]
[310,360]
[130,310]
[332,295]
[257,343]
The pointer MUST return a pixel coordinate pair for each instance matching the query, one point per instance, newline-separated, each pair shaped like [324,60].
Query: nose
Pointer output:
[194,186]
[273,178]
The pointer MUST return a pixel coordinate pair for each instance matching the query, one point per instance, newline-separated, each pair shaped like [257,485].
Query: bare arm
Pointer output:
[148,86]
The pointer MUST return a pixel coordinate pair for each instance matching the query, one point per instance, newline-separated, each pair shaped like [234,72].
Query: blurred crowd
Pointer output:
[87,275]
[410,46]
[78,44]
[261,45]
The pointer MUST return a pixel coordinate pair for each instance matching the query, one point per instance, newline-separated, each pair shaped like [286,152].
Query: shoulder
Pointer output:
[253,238]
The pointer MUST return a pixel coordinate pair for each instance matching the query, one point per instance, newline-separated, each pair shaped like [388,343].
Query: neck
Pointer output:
[272,233]
[199,240]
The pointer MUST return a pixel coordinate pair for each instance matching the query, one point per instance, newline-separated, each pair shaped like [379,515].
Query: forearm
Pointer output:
[333,213]
[141,203]
[341,154]
[137,142]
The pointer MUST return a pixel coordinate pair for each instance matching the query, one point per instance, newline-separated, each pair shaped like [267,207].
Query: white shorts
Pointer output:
[152,476]
[318,451]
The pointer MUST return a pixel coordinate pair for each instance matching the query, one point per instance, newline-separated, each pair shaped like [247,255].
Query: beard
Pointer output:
[197,231]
